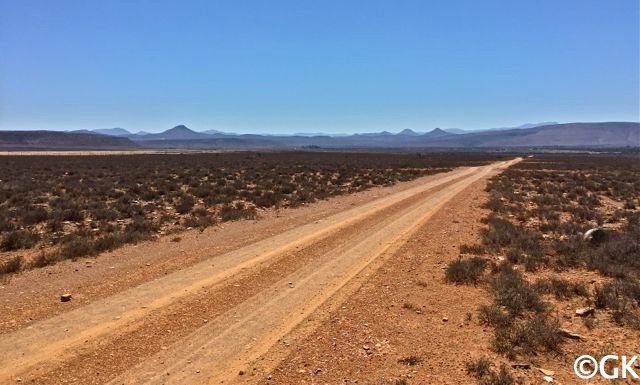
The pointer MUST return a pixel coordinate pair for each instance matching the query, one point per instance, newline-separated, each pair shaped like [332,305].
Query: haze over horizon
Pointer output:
[285,67]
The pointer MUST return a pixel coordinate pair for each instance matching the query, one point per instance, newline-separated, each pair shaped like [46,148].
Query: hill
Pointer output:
[180,132]
[55,140]
[112,131]
[606,134]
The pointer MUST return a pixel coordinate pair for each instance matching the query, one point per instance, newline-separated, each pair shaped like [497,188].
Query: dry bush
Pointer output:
[18,239]
[467,271]
[511,290]
[561,288]
[12,265]
[528,337]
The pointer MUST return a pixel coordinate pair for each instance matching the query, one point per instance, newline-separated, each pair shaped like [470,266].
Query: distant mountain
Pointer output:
[456,131]
[307,134]
[382,133]
[56,140]
[112,131]
[408,132]
[437,133]
[530,125]
[180,132]
[523,126]
[216,132]
[606,134]
[528,135]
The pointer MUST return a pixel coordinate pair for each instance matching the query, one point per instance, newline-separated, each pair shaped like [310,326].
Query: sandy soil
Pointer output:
[228,304]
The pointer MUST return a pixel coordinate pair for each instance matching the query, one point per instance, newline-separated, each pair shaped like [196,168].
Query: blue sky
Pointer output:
[309,66]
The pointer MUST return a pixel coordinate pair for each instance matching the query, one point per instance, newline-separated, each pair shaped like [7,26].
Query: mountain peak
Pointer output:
[180,128]
[437,132]
[408,131]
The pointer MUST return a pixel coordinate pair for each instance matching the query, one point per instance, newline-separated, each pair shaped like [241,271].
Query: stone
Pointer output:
[595,236]
[585,311]
[546,372]
[548,379]
[65,297]
[569,334]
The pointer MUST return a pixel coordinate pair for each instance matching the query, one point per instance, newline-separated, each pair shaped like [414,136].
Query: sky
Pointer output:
[316,66]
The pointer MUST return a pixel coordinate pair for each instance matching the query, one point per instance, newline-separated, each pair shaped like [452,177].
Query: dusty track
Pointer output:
[318,258]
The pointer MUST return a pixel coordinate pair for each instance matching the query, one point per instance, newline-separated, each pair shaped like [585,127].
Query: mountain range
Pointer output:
[603,134]
[56,140]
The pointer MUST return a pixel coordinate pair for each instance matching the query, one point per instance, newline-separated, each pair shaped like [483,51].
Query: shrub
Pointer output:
[467,271]
[479,368]
[623,298]
[141,225]
[34,215]
[12,265]
[618,256]
[513,292]
[492,315]
[472,249]
[184,204]
[503,377]
[200,222]
[237,211]
[528,337]
[43,260]
[73,215]
[18,239]
[560,288]
[495,204]
[107,242]
[76,246]
[500,232]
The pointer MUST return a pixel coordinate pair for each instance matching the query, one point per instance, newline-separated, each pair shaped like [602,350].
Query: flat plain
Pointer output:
[360,268]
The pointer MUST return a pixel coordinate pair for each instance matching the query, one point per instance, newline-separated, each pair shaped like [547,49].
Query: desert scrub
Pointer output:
[124,199]
[468,271]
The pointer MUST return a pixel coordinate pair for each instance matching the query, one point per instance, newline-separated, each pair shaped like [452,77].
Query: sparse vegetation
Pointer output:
[540,210]
[76,206]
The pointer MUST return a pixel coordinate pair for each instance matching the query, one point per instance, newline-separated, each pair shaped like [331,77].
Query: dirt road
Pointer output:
[206,323]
